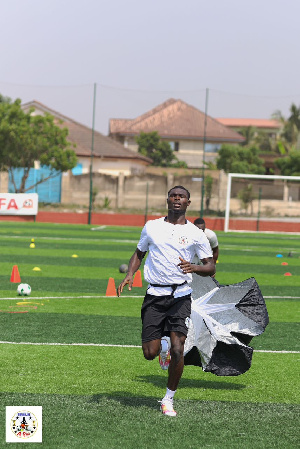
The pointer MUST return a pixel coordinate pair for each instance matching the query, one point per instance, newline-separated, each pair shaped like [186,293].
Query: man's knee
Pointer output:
[151,350]
[149,354]
[176,352]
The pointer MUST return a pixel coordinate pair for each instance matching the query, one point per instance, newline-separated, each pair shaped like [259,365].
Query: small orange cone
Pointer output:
[15,276]
[137,282]
[111,288]
[287,274]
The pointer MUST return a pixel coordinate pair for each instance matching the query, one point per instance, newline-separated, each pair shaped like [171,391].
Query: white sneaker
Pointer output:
[167,407]
[164,355]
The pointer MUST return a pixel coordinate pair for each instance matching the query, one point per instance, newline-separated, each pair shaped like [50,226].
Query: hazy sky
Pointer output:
[140,53]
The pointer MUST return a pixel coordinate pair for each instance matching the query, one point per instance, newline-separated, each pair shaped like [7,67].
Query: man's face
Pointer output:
[178,200]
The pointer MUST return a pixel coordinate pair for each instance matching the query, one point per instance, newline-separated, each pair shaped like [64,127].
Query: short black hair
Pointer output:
[199,221]
[180,187]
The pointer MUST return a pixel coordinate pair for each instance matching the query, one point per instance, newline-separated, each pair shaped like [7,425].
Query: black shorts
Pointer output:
[163,314]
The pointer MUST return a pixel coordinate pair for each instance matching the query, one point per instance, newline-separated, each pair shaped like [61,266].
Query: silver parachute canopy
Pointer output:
[224,320]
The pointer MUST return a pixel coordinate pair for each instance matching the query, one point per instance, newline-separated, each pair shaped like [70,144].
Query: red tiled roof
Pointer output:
[175,119]
[104,147]
[245,122]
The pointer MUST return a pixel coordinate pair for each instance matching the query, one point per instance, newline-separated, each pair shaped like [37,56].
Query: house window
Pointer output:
[174,146]
[212,147]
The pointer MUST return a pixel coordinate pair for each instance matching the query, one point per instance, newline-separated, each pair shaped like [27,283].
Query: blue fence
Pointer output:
[48,191]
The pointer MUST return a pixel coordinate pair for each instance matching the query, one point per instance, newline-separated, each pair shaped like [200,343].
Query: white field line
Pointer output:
[253,247]
[101,345]
[282,297]
[263,232]
[67,344]
[28,298]
[277,352]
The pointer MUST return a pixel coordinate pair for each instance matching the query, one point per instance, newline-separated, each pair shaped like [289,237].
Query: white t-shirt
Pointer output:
[213,241]
[165,243]
[212,238]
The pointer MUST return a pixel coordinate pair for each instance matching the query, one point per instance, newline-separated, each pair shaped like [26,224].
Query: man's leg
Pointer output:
[175,372]
[177,360]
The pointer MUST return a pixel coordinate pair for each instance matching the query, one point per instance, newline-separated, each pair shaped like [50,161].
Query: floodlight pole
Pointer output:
[92,157]
[203,158]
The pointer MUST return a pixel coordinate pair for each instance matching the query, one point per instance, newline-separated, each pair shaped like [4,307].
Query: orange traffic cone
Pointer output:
[15,276]
[111,288]
[137,282]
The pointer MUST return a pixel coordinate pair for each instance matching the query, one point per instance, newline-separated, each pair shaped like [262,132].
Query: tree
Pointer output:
[292,127]
[289,138]
[160,151]
[246,196]
[208,182]
[26,138]
[259,139]
[290,164]
[249,132]
[238,159]
[4,99]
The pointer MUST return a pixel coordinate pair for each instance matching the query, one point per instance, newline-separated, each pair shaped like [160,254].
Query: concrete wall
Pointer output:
[134,191]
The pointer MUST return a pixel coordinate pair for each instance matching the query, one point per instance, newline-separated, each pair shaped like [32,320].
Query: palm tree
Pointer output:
[289,138]
[295,116]
[249,132]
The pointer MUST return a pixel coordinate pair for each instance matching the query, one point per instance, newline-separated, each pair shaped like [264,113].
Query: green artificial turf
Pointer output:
[67,369]
[77,352]
[105,421]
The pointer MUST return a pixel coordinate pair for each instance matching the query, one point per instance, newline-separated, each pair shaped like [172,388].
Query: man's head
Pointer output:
[178,199]
[182,188]
[200,223]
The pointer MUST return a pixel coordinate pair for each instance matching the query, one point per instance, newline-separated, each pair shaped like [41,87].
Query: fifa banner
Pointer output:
[19,203]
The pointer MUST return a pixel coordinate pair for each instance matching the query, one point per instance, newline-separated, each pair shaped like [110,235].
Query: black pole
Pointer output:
[258,211]
[146,209]
[203,159]
[92,157]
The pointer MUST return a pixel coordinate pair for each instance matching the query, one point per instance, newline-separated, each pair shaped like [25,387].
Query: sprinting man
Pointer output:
[171,243]
[212,238]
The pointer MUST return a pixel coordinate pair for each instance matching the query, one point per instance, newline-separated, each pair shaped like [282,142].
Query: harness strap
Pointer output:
[173,286]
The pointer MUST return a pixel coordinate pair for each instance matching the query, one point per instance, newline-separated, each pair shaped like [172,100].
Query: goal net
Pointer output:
[254,199]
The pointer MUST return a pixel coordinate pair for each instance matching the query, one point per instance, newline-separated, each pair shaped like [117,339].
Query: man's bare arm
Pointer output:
[215,253]
[133,266]
[207,269]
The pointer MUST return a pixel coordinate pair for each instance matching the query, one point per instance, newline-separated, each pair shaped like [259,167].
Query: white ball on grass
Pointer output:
[24,289]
